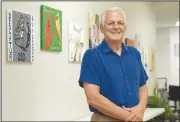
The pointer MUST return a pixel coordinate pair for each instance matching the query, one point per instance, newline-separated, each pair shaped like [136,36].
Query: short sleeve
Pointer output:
[143,78]
[143,75]
[90,72]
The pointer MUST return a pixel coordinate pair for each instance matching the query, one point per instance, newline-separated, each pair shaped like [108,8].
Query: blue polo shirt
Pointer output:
[119,77]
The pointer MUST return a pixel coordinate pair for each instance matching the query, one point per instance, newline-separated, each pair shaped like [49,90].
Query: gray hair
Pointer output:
[111,9]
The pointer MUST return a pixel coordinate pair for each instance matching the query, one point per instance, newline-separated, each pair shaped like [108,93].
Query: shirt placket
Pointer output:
[124,71]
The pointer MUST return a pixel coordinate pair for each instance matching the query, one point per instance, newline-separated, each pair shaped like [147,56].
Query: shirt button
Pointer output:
[124,69]
[129,93]
[126,81]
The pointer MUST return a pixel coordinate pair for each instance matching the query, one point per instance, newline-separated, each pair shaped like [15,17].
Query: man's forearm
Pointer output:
[143,97]
[108,108]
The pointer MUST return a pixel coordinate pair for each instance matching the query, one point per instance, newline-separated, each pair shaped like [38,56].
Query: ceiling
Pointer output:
[167,13]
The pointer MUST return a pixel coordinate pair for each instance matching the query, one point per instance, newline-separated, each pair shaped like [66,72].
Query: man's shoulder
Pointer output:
[133,49]
[92,52]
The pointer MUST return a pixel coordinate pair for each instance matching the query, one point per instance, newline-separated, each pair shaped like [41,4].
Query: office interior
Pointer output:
[48,89]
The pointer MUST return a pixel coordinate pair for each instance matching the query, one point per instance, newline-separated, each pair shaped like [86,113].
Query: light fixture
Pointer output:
[177,23]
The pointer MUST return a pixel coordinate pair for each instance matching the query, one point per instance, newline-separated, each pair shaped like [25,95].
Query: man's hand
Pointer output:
[136,113]
[132,118]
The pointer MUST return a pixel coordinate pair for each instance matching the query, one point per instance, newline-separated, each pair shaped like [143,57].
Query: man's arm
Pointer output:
[143,97]
[98,101]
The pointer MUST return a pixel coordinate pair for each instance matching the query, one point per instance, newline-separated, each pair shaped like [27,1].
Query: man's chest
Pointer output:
[120,68]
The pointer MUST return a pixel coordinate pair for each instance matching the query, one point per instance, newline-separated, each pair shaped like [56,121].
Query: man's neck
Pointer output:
[116,46]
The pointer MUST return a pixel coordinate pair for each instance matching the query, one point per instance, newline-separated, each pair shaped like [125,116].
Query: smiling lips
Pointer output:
[115,32]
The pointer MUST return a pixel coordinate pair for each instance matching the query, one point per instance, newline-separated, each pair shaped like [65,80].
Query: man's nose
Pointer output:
[116,26]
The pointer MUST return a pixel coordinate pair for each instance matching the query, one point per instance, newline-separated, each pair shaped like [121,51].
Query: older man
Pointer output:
[112,74]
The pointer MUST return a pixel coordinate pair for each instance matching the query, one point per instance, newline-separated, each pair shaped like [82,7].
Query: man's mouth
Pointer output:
[115,32]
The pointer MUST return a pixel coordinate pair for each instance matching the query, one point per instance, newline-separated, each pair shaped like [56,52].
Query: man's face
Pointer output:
[114,26]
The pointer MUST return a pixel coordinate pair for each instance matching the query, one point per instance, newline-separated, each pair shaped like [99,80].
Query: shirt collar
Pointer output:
[106,48]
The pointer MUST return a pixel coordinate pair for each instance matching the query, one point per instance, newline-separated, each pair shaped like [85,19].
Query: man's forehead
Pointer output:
[114,16]
[113,12]
[117,14]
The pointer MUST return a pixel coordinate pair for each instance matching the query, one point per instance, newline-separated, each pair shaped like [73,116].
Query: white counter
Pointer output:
[152,112]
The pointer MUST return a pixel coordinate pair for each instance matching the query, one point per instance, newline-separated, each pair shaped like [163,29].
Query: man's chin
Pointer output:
[116,39]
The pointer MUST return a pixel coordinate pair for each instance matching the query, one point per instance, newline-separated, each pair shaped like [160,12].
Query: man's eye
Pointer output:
[110,24]
[121,23]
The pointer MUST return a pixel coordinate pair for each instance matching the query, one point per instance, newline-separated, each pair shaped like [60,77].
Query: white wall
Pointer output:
[163,53]
[167,13]
[167,64]
[0,62]
[146,28]
[174,61]
[48,88]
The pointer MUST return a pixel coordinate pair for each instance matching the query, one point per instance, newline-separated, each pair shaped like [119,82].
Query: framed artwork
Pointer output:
[76,43]
[151,59]
[146,61]
[129,42]
[101,36]
[137,41]
[176,50]
[93,30]
[51,29]
[20,36]
[144,58]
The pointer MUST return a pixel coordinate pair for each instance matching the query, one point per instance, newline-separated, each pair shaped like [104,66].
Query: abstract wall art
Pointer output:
[51,29]
[20,36]
[144,58]
[76,42]
[93,29]
[137,42]
[151,59]
[129,42]
[101,36]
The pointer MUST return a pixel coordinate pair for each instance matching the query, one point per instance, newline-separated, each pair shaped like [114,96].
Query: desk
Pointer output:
[149,114]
